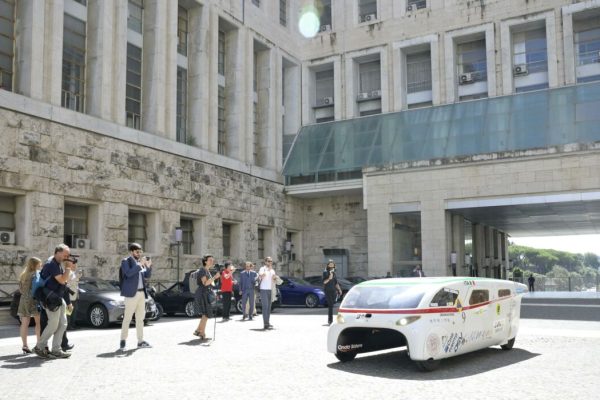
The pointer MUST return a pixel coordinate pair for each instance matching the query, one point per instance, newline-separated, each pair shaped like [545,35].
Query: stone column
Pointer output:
[200,74]
[478,258]
[238,91]
[433,237]
[106,49]
[458,242]
[29,48]
[53,49]
[154,71]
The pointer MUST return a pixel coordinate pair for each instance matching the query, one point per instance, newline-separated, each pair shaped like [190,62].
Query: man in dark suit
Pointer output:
[134,269]
[418,272]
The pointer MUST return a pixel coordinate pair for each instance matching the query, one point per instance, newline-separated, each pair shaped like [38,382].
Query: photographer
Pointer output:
[134,269]
[227,288]
[331,288]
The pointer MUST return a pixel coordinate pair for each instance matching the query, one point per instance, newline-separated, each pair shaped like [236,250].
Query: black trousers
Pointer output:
[331,296]
[226,303]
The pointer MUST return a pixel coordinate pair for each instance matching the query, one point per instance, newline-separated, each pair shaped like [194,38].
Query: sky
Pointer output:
[573,244]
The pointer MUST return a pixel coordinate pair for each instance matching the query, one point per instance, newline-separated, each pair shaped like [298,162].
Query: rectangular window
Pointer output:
[7,43]
[418,72]
[324,83]
[181,105]
[412,5]
[76,224]
[137,228]
[182,31]
[135,15]
[325,11]
[588,46]
[261,244]
[73,65]
[7,213]
[479,296]
[367,10]
[529,49]
[221,139]
[255,74]
[221,55]
[187,242]
[133,96]
[283,12]
[370,76]
[226,240]
[472,59]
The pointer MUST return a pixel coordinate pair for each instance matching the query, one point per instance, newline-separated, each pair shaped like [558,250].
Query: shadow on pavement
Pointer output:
[197,342]
[117,353]
[397,364]
[19,361]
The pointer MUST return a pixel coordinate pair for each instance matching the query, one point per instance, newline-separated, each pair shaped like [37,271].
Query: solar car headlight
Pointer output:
[339,319]
[407,320]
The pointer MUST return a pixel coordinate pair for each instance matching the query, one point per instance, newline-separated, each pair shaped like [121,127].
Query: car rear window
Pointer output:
[377,297]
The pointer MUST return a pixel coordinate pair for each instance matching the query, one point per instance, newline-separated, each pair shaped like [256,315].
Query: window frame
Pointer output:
[69,63]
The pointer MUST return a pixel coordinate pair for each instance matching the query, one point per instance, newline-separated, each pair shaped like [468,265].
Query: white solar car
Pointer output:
[435,318]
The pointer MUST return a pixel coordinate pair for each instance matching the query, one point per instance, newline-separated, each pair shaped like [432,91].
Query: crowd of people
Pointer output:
[53,303]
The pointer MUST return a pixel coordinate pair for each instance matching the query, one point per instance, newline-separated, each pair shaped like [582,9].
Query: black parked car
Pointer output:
[317,280]
[177,299]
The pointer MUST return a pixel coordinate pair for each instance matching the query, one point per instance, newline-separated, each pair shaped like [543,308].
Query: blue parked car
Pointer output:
[296,291]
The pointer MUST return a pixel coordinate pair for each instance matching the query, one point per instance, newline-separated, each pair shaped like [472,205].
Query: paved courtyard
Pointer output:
[551,360]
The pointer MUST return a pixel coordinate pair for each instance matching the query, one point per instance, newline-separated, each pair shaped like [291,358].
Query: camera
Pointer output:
[147,258]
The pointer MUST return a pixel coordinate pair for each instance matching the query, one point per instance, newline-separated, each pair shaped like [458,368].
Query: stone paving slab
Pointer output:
[551,360]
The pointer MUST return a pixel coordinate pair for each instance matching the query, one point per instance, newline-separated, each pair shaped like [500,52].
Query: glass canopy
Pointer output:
[339,150]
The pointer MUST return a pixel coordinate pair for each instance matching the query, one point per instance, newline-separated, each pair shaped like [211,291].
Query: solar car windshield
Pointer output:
[381,297]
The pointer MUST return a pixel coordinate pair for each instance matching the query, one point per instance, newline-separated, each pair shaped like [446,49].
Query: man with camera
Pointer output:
[134,269]
[267,277]
[331,288]
[54,304]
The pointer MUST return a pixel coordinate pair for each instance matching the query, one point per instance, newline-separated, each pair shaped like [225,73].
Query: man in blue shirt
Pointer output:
[247,282]
[57,318]
[134,269]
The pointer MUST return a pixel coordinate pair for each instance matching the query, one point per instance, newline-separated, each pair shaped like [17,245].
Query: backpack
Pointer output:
[121,275]
[193,281]
[37,282]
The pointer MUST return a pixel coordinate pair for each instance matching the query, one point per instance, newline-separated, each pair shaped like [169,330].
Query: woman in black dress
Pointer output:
[205,284]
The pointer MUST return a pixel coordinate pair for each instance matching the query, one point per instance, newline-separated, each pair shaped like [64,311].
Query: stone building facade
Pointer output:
[126,119]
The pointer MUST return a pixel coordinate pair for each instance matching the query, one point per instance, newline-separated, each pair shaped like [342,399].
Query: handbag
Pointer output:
[211,296]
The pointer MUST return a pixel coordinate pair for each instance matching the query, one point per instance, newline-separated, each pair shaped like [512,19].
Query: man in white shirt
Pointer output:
[267,277]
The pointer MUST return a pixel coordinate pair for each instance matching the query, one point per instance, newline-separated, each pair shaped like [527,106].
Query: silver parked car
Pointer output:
[100,303]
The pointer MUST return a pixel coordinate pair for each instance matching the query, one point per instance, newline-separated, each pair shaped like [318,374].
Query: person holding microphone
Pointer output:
[331,288]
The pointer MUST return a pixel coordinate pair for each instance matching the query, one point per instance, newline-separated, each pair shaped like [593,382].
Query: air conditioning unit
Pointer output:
[467,77]
[411,8]
[325,28]
[375,94]
[325,101]
[368,17]
[363,96]
[82,243]
[7,237]
[520,69]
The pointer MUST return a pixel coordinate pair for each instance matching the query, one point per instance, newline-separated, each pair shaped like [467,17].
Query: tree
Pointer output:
[591,260]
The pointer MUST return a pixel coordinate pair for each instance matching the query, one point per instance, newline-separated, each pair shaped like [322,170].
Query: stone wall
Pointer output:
[44,164]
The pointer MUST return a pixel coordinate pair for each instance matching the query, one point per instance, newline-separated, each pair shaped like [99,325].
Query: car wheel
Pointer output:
[311,301]
[509,345]
[428,365]
[238,306]
[346,356]
[190,309]
[98,316]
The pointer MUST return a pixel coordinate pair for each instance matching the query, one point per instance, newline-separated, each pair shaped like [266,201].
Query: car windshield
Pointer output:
[97,286]
[378,297]
[300,281]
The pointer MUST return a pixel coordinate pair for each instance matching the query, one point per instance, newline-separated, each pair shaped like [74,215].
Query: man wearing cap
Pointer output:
[134,269]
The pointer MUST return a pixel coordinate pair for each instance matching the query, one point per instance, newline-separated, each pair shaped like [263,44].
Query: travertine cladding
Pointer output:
[564,169]
[335,223]
[46,163]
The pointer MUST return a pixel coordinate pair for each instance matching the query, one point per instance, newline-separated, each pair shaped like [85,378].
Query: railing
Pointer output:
[566,284]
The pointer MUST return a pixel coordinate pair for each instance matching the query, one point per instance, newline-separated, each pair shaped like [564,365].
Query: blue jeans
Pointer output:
[265,302]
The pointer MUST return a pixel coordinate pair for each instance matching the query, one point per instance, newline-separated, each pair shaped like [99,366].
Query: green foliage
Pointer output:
[517,272]
[544,260]
[591,260]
